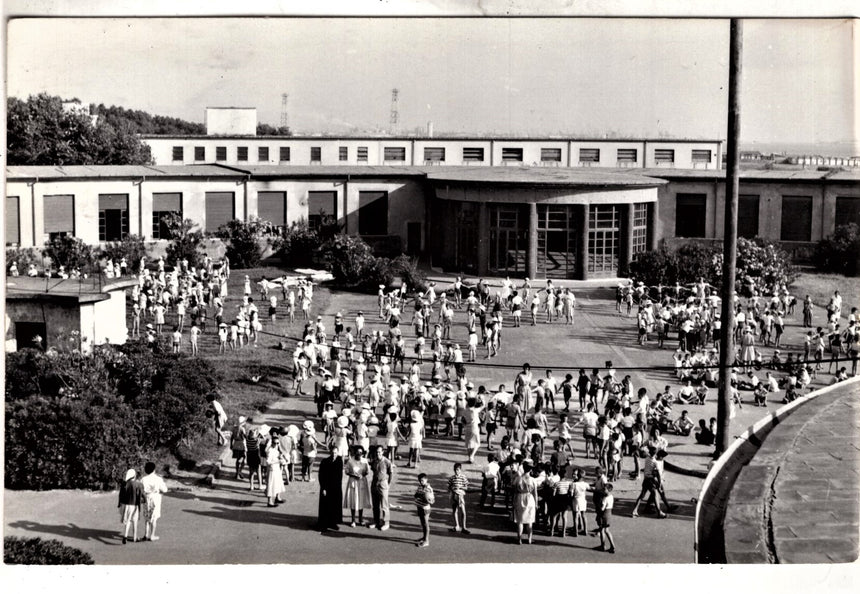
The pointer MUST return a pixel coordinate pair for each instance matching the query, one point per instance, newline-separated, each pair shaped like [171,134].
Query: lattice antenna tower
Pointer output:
[285,116]
[394,120]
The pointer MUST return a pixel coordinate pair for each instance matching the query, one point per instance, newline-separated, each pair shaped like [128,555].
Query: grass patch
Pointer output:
[265,363]
[820,287]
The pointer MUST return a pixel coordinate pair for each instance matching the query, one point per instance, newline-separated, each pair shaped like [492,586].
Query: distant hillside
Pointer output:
[141,122]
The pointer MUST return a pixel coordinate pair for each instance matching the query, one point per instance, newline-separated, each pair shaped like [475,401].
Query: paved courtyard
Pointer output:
[227,524]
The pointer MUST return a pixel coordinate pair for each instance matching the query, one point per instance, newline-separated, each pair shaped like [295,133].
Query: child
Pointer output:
[490,482]
[222,338]
[177,339]
[273,307]
[578,490]
[457,486]
[491,418]
[195,333]
[424,498]
[603,520]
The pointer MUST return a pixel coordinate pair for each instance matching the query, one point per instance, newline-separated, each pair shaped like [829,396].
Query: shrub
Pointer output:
[35,551]
[838,252]
[765,264]
[351,261]
[185,243]
[23,257]
[656,267]
[132,248]
[245,241]
[300,247]
[409,272]
[70,252]
[695,261]
[79,422]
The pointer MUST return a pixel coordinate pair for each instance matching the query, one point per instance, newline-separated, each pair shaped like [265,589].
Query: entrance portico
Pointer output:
[541,223]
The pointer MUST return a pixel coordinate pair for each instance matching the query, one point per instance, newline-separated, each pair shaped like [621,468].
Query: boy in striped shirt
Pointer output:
[457,486]
[424,498]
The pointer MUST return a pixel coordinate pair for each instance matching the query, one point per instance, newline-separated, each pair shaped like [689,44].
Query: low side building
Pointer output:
[91,311]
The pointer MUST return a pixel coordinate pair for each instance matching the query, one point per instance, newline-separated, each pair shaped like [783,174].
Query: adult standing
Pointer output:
[131,498]
[382,476]
[525,501]
[357,496]
[523,386]
[153,487]
[331,478]
[275,478]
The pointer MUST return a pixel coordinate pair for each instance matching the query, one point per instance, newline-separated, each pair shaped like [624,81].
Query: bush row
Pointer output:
[35,551]
[75,421]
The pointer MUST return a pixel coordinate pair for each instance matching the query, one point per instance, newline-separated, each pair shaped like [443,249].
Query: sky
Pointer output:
[536,76]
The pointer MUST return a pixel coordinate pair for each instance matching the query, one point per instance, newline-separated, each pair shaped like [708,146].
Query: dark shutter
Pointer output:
[272,207]
[219,209]
[796,218]
[748,216]
[167,202]
[60,214]
[373,213]
[690,215]
[847,210]
[113,201]
[13,223]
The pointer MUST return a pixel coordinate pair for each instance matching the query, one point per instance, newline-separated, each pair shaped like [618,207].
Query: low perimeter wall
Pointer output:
[709,526]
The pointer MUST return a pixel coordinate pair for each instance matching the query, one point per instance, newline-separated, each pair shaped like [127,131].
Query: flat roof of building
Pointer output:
[748,175]
[82,290]
[14,172]
[542,176]
[440,137]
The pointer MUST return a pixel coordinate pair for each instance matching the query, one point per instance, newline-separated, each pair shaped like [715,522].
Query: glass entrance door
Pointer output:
[556,256]
[467,237]
[507,240]
[603,230]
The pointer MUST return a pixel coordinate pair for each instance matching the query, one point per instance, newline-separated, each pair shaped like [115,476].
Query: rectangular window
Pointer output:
[473,153]
[394,153]
[587,155]
[178,153]
[847,210]
[263,153]
[321,205]
[663,156]
[342,153]
[220,153]
[690,214]
[220,210]
[113,217]
[316,154]
[604,223]
[199,153]
[640,228]
[59,213]
[748,215]
[284,153]
[434,154]
[550,155]
[701,156]
[242,153]
[512,154]
[13,223]
[626,156]
[362,154]
[373,213]
[164,204]
[272,207]
[796,218]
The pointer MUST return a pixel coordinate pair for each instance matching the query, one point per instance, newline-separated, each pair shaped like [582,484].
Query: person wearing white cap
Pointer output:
[308,445]
[416,438]
[340,436]
[131,498]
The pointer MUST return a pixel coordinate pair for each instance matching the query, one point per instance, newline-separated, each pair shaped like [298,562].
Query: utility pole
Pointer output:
[730,241]
[394,119]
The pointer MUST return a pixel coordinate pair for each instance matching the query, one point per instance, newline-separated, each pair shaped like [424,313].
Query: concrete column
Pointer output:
[531,254]
[626,240]
[652,225]
[483,238]
[582,255]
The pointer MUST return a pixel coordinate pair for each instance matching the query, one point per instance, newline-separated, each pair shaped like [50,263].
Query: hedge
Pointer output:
[35,551]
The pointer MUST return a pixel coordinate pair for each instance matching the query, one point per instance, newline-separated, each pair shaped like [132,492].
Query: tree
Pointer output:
[40,132]
[185,243]
[245,241]
[267,130]
[70,252]
[839,252]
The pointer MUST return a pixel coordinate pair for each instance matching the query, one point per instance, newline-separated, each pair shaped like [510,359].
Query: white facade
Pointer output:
[226,121]
[241,151]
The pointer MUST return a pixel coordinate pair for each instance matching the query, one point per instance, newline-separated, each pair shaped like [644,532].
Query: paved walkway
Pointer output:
[797,500]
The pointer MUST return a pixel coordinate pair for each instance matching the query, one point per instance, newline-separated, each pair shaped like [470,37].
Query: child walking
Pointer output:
[604,516]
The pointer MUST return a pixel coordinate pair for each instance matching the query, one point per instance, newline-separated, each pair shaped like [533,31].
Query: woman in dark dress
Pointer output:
[330,476]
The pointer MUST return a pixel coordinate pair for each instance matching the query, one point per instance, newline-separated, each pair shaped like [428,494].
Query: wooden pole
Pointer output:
[730,241]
